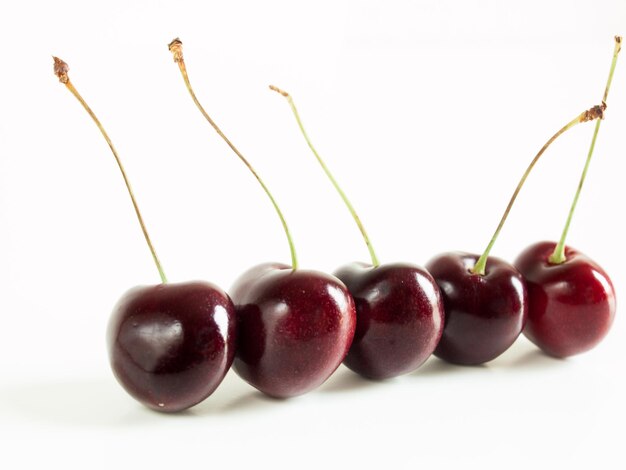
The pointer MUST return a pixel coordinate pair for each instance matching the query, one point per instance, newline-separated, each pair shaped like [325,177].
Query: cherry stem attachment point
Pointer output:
[345,199]
[61,70]
[558,255]
[176,48]
[593,113]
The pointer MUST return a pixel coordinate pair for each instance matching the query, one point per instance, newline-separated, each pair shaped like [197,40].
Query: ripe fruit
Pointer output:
[571,298]
[399,307]
[571,304]
[294,326]
[485,299]
[400,318]
[170,345]
[484,313]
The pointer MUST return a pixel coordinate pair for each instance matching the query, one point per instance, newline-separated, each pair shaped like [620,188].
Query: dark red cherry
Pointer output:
[399,318]
[484,313]
[571,305]
[294,328]
[170,345]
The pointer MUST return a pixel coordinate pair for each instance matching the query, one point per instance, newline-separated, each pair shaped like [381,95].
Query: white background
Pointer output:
[428,113]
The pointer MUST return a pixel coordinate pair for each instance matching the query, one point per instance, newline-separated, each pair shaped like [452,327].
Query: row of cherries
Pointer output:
[286,330]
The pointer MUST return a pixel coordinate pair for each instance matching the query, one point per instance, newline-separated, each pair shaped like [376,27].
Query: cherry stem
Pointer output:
[593,113]
[558,255]
[61,70]
[176,48]
[355,216]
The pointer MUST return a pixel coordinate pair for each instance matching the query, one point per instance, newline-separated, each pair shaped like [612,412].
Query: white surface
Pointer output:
[427,112]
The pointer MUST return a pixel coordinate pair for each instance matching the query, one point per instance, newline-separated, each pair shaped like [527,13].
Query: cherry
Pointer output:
[485,299]
[571,298]
[484,313]
[294,326]
[571,304]
[400,318]
[399,307]
[170,345]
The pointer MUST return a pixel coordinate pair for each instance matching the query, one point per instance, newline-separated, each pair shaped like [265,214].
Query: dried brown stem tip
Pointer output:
[60,70]
[176,48]
[278,90]
[618,40]
[597,112]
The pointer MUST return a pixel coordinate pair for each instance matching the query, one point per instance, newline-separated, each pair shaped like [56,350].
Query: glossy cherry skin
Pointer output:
[484,314]
[571,305]
[399,312]
[294,328]
[170,345]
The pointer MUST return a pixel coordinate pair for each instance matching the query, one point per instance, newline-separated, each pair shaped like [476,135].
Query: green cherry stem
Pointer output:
[176,48]
[594,113]
[558,255]
[355,216]
[61,70]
